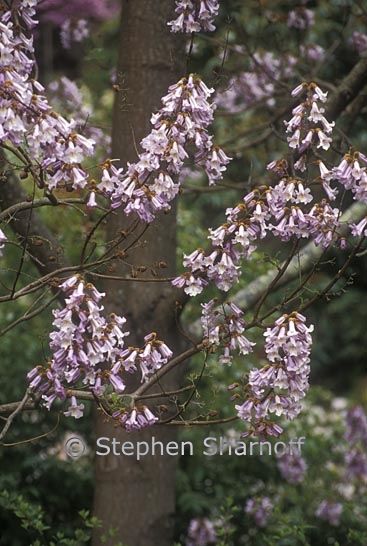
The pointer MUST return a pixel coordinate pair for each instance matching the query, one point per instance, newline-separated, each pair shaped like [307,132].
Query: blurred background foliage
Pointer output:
[254,135]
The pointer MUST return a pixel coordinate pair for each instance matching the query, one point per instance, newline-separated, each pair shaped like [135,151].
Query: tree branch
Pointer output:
[43,248]
[19,406]
[349,88]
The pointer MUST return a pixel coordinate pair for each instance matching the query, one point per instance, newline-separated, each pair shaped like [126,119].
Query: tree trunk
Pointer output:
[138,497]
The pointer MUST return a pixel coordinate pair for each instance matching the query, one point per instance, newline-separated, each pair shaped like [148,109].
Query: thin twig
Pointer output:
[12,416]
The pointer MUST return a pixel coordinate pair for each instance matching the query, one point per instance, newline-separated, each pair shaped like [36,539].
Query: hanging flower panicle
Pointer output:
[308,126]
[194,16]
[225,328]
[280,211]
[279,386]
[260,509]
[89,349]
[356,455]
[27,120]
[292,467]
[147,187]
[330,512]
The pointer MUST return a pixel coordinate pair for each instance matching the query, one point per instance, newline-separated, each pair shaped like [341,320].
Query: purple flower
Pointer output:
[27,118]
[359,42]
[84,338]
[260,510]
[58,11]
[330,512]
[136,419]
[201,532]
[356,454]
[147,187]
[73,31]
[194,15]
[307,118]
[292,467]
[356,421]
[75,410]
[300,18]
[352,175]
[225,328]
[255,87]
[284,379]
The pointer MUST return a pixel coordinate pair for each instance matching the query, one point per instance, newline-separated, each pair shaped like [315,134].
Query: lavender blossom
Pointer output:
[135,419]
[277,210]
[279,386]
[225,329]
[27,119]
[300,18]
[194,16]
[308,122]
[256,85]
[330,512]
[73,32]
[314,52]
[147,187]
[75,410]
[59,11]
[82,341]
[68,98]
[352,174]
[201,532]
[292,467]
[260,510]
[359,42]
[356,454]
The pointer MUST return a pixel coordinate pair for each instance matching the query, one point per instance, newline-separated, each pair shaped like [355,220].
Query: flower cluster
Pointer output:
[359,42]
[226,329]
[147,186]
[135,419]
[277,210]
[67,16]
[310,127]
[285,210]
[51,147]
[73,31]
[350,173]
[201,532]
[330,512]
[256,85]
[292,467]
[308,124]
[70,101]
[260,510]
[312,51]
[356,455]
[89,348]
[279,386]
[300,18]
[57,12]
[194,15]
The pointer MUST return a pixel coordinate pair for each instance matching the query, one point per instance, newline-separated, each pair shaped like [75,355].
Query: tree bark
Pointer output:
[138,497]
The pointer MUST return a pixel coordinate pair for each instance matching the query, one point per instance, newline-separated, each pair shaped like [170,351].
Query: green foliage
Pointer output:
[32,519]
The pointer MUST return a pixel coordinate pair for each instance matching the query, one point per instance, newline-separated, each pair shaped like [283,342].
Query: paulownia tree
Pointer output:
[123,349]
